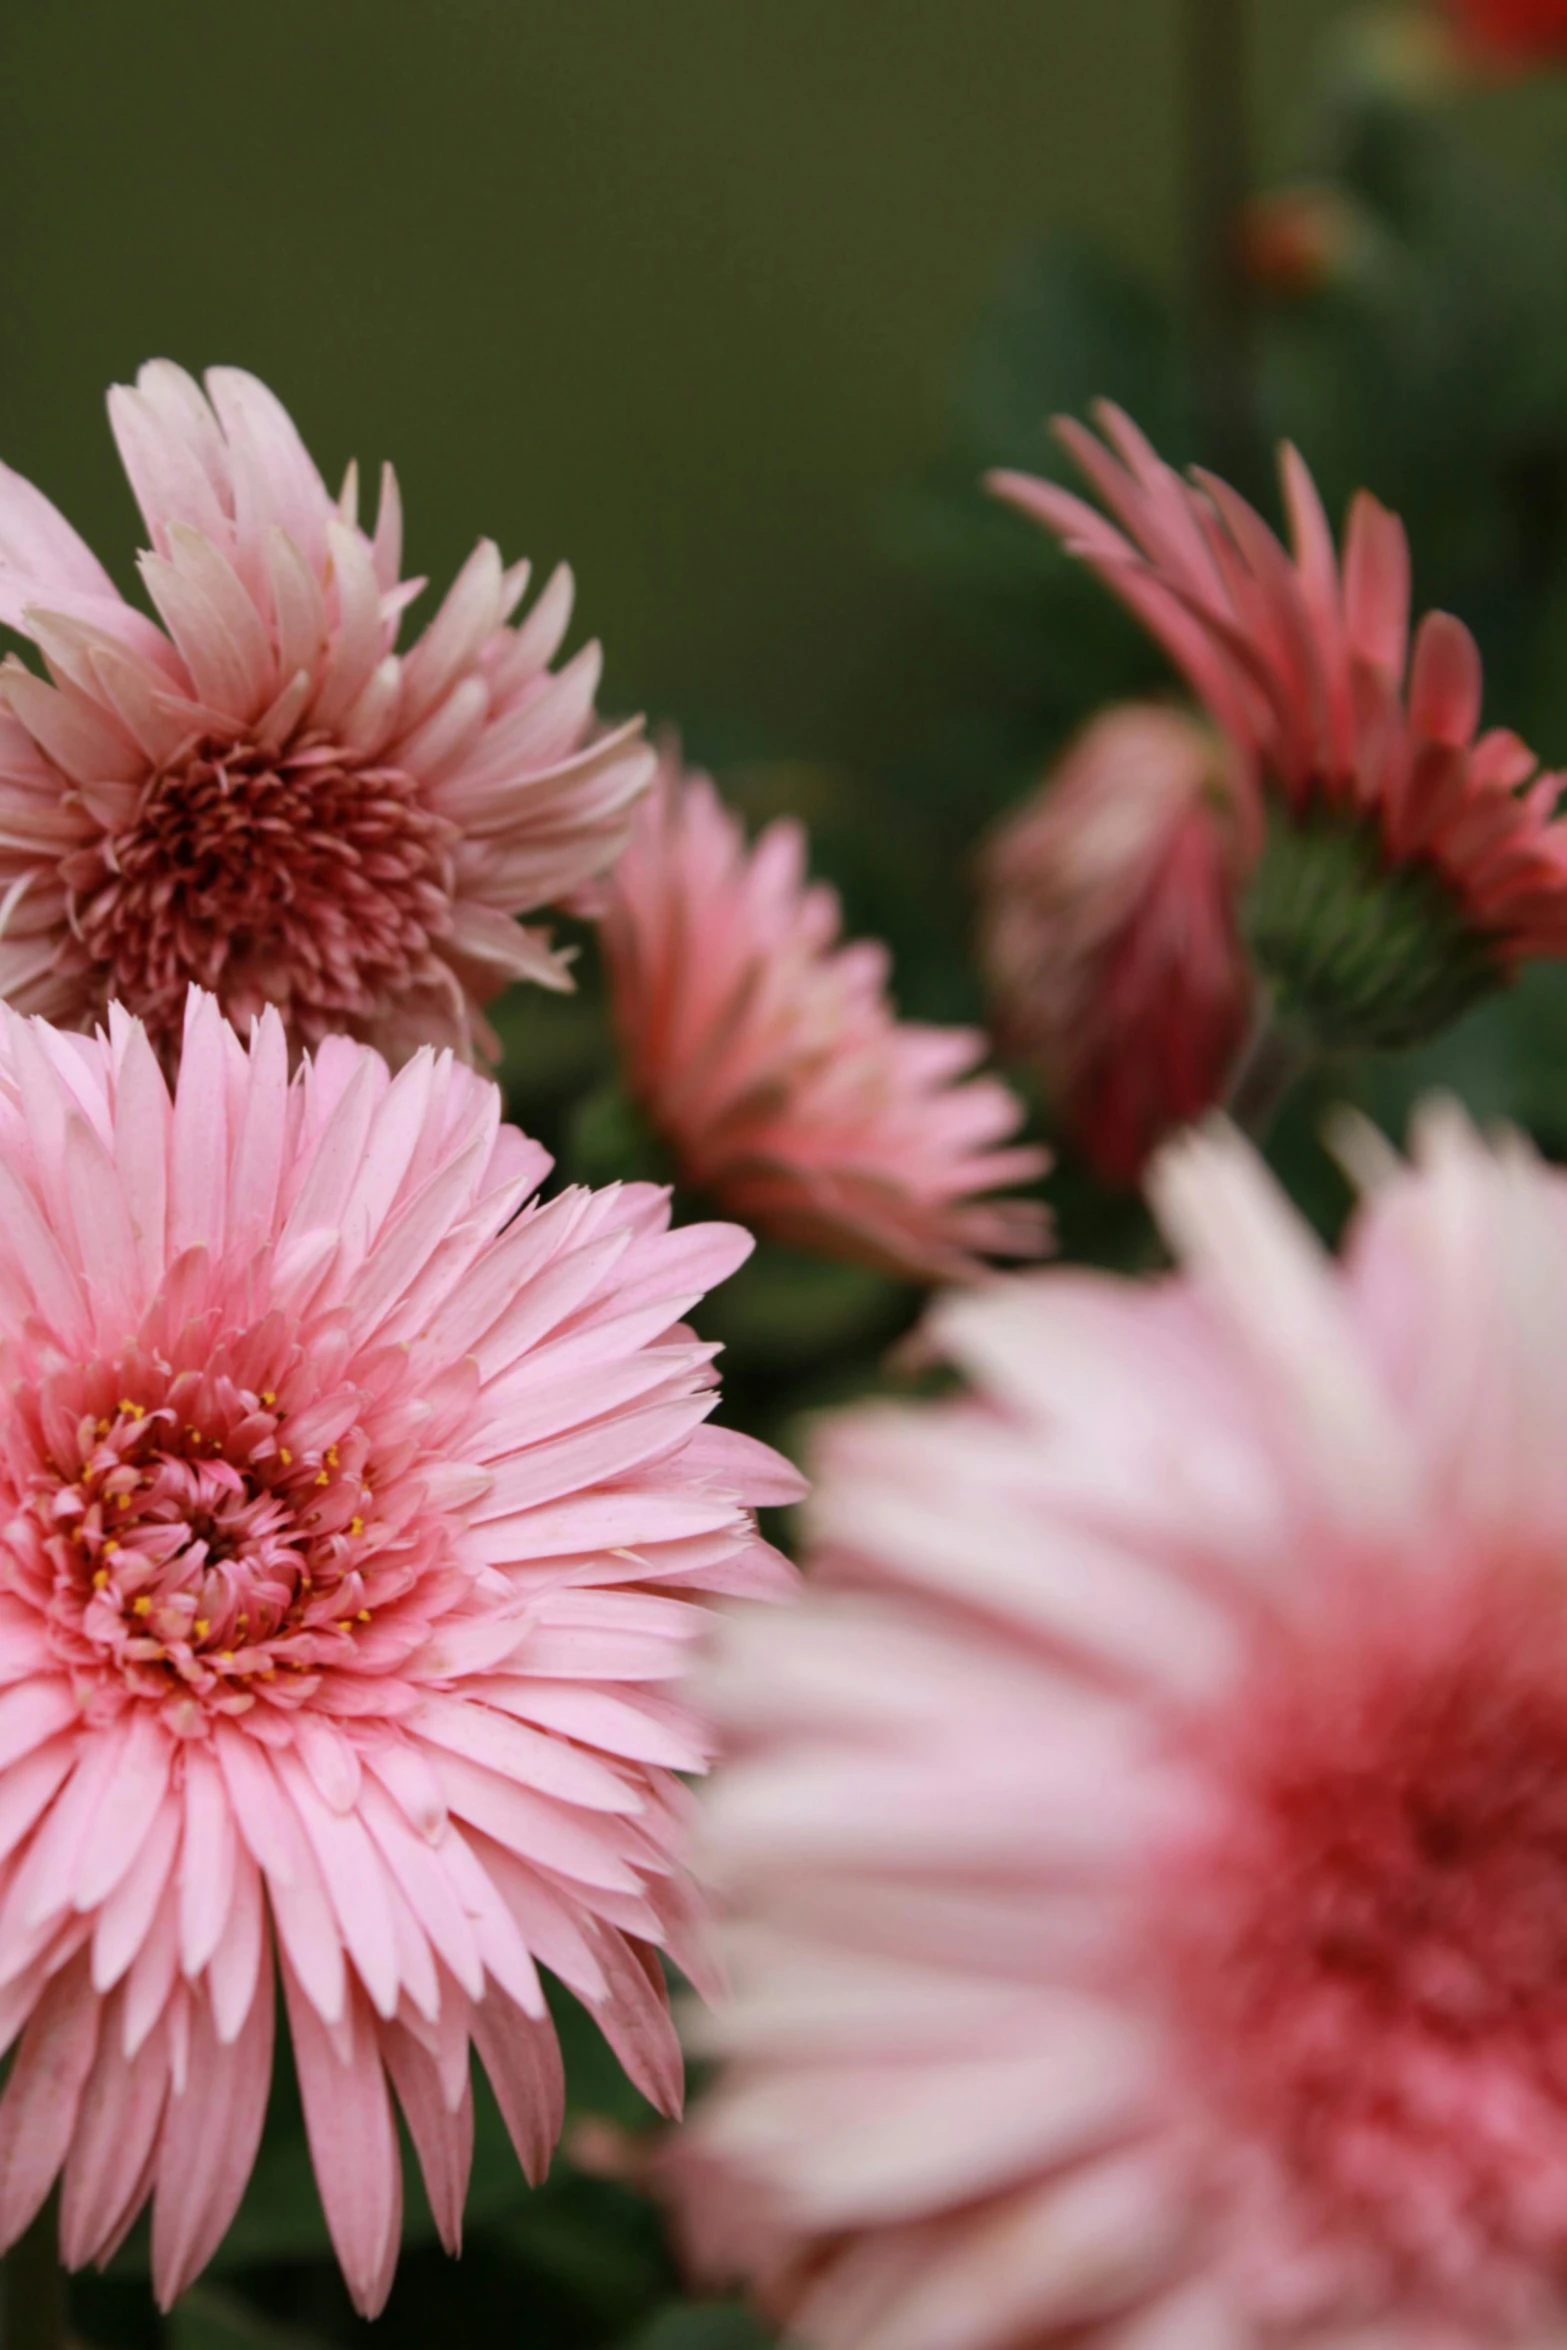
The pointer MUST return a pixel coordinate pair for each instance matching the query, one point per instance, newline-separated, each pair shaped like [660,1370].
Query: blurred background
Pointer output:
[729,303]
[680,292]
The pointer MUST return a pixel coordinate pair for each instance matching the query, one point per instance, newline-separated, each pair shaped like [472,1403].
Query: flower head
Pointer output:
[353,1510]
[1514,32]
[1144,1846]
[768,1057]
[263,796]
[1109,934]
[1411,861]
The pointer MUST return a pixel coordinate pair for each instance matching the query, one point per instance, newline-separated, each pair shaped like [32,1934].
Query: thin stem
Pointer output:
[34,2289]
[1218,180]
[1273,1059]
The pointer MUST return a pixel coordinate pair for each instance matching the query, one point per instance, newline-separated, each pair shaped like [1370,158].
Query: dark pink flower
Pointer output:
[1109,932]
[263,796]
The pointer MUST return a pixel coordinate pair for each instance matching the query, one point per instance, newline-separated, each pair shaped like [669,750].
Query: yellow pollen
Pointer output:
[100,1578]
[141,1606]
[103,1427]
[356,1526]
[269,1396]
[192,1431]
[285,1456]
[122,1501]
[138,1411]
[345,1623]
[331,1456]
[202,1627]
[323,1477]
[364,1615]
[225,1656]
[110,1547]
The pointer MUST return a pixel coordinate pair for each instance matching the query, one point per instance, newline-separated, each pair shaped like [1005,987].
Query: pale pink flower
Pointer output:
[768,1057]
[263,796]
[1109,932]
[355,1509]
[1146,1847]
[1305,660]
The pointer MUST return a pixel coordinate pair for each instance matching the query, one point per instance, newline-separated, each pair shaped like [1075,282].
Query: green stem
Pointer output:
[1218,182]
[34,2289]
[1274,1058]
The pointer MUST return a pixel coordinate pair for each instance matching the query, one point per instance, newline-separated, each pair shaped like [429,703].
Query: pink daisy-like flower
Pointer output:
[263,796]
[767,1055]
[1381,776]
[1109,934]
[1146,1846]
[354,1510]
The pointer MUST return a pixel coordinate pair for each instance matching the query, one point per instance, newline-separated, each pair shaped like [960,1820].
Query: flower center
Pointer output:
[294,878]
[1368,1945]
[187,1544]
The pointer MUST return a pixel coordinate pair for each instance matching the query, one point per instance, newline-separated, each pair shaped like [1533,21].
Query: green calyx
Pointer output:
[1360,954]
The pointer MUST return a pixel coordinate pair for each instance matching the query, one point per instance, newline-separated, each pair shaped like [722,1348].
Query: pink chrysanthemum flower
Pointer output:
[1109,931]
[354,1510]
[263,796]
[1416,863]
[1146,1847]
[768,1058]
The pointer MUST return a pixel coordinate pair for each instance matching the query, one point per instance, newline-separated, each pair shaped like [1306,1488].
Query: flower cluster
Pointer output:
[360,1504]
[1132,1899]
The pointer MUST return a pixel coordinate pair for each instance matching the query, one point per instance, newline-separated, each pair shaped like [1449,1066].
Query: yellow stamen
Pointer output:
[331,1456]
[323,1477]
[356,1526]
[202,1626]
[364,1615]
[110,1547]
[269,1396]
[100,1579]
[141,1606]
[285,1456]
[345,1623]
[138,1411]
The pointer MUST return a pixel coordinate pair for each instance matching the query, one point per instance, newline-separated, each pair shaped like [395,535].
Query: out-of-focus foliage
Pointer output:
[1425,356]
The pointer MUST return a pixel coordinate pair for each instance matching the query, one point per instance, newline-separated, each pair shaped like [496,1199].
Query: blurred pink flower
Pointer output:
[354,1509]
[267,799]
[768,1057]
[1302,661]
[1143,1848]
[1108,930]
